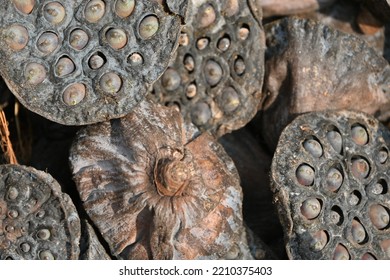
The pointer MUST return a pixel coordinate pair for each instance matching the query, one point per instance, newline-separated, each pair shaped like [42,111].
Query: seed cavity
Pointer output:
[378,188]
[341,253]
[239,66]
[47,42]
[135,59]
[313,147]
[74,94]
[243,33]
[189,63]
[110,82]
[16,37]
[202,43]
[13,214]
[54,12]
[124,8]
[201,114]
[360,168]
[78,39]
[46,255]
[213,72]
[359,135]
[231,7]
[34,73]
[319,241]
[24,6]
[383,155]
[230,100]
[94,10]
[148,26]
[12,193]
[43,234]
[25,247]
[379,216]
[191,91]
[206,16]
[305,175]
[336,215]
[171,79]
[116,38]
[354,198]
[64,66]
[224,44]
[334,179]
[335,140]
[97,60]
[358,232]
[311,208]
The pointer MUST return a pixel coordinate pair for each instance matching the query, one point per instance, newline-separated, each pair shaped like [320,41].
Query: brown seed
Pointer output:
[230,100]
[24,6]
[74,94]
[311,208]
[34,73]
[305,175]
[224,44]
[78,39]
[201,114]
[191,91]
[341,253]
[335,140]
[385,245]
[379,216]
[368,256]
[359,135]
[94,10]
[64,66]
[16,37]
[171,79]
[313,147]
[360,168]
[46,255]
[334,179]
[231,7]
[135,59]
[320,239]
[207,16]
[116,38]
[213,72]
[358,231]
[47,42]
[124,8]
[96,61]
[202,43]
[54,12]
[243,33]
[239,66]
[148,27]
[111,82]
[43,234]
[189,63]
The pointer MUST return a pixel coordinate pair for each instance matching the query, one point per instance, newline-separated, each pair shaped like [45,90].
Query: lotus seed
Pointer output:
[46,255]
[340,253]
[94,10]
[116,38]
[319,241]
[379,216]
[243,33]
[335,140]
[47,42]
[65,66]
[334,179]
[358,231]
[230,100]
[376,188]
[24,6]
[239,66]
[189,63]
[135,59]
[171,79]
[207,16]
[382,156]
[191,91]
[96,61]
[43,234]
[110,83]
[224,44]
[34,73]
[359,135]
[16,37]
[202,43]
[385,245]
[368,256]
[213,72]
[353,199]
[13,214]
[335,217]
[74,94]
[25,247]
[311,208]
[148,27]
[54,12]
[201,114]
[313,147]
[78,39]
[231,8]
[183,39]
[360,168]
[12,193]
[124,8]
[305,175]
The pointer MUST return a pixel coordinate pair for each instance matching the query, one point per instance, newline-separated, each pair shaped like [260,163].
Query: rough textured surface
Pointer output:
[154,195]
[311,67]
[216,78]
[346,190]
[292,7]
[77,90]
[37,220]
[94,249]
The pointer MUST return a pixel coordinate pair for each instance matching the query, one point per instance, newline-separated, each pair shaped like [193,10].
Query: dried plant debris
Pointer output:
[94,250]
[380,8]
[292,7]
[154,195]
[330,175]
[216,78]
[311,67]
[38,221]
[80,62]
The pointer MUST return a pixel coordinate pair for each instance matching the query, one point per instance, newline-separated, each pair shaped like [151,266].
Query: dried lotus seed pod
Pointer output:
[338,71]
[38,221]
[347,207]
[220,57]
[163,196]
[98,37]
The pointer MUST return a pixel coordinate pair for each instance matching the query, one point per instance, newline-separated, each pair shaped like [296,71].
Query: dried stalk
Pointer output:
[5,141]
